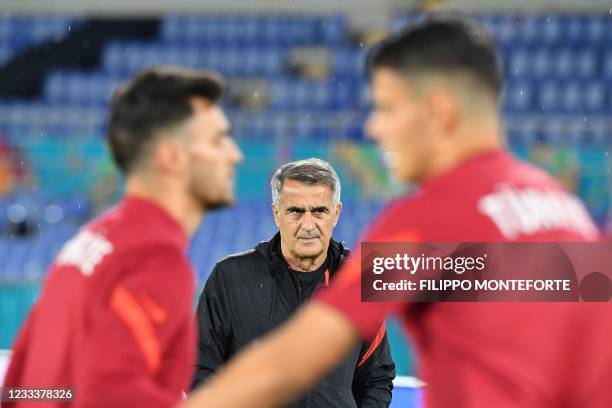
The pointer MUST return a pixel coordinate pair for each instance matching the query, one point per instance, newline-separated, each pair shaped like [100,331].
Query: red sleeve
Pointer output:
[344,295]
[13,374]
[143,319]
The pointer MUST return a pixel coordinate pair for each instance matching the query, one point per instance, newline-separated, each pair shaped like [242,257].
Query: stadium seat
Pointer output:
[594,97]
[549,96]
[518,97]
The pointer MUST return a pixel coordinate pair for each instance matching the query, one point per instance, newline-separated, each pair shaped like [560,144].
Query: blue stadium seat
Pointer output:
[552,30]
[113,59]
[333,29]
[586,62]
[527,29]
[233,60]
[250,29]
[507,30]
[594,97]
[518,97]
[25,32]
[595,29]
[54,86]
[541,64]
[170,28]
[348,61]
[521,139]
[281,93]
[271,61]
[342,93]
[563,62]
[571,97]
[519,63]
[549,97]
[575,30]
[80,88]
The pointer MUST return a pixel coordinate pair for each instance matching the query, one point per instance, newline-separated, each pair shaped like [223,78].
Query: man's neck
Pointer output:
[170,198]
[472,142]
[303,264]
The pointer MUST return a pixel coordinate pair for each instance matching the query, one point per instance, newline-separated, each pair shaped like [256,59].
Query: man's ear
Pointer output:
[338,211]
[170,156]
[275,211]
[443,112]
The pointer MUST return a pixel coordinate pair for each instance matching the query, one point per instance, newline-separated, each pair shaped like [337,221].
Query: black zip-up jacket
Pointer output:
[251,293]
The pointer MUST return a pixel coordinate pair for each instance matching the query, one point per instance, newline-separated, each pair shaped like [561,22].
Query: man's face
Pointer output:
[306,218]
[213,156]
[398,124]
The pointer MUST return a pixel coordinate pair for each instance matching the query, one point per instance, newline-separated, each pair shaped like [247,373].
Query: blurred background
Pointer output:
[297,90]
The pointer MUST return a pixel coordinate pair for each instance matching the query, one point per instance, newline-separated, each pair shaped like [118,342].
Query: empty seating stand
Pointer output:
[558,69]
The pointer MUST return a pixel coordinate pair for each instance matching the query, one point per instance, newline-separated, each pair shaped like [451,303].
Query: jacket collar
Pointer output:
[287,283]
[337,252]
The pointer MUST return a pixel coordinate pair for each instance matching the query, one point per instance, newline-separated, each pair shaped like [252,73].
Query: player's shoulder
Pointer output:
[526,173]
[133,236]
[401,217]
[131,247]
[408,206]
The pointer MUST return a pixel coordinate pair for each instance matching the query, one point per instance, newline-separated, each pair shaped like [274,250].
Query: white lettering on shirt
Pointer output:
[530,210]
[85,251]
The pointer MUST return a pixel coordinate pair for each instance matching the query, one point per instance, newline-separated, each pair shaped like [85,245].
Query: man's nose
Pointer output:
[235,153]
[308,223]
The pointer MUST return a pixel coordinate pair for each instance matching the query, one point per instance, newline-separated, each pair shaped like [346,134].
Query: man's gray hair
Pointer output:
[309,171]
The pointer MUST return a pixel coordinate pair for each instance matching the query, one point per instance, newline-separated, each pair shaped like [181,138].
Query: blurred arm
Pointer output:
[292,358]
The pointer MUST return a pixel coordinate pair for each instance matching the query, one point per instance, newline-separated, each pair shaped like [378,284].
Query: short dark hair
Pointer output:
[155,99]
[444,43]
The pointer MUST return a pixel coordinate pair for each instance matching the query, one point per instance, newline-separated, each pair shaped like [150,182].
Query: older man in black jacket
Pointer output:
[251,293]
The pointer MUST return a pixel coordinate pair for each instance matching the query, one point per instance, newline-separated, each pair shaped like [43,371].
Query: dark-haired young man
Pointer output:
[435,88]
[114,321]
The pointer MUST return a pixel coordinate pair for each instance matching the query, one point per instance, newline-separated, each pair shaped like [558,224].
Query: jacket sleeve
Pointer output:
[214,328]
[374,374]
[134,326]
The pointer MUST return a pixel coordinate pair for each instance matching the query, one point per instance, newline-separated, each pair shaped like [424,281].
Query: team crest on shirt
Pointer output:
[85,251]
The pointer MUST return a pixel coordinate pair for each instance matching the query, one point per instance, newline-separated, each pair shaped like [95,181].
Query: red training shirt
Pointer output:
[114,319]
[492,354]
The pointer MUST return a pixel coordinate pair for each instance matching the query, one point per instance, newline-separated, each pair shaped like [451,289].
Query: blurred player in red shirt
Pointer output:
[114,321]
[435,89]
